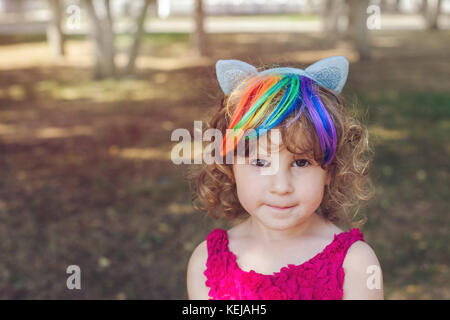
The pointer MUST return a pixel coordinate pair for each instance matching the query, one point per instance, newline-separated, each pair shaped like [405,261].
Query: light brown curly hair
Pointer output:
[214,188]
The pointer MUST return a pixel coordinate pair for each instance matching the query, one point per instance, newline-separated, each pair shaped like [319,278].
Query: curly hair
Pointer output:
[214,186]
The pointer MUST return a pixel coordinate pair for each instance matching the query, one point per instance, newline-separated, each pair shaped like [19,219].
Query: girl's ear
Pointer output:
[231,72]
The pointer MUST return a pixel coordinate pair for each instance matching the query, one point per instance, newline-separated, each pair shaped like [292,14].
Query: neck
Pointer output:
[257,230]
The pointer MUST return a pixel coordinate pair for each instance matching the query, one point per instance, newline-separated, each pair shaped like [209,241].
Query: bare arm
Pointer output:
[363,276]
[196,287]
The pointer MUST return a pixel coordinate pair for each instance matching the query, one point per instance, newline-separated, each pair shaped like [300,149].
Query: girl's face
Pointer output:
[279,189]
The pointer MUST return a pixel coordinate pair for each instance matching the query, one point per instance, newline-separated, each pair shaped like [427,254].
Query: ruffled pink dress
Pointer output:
[319,278]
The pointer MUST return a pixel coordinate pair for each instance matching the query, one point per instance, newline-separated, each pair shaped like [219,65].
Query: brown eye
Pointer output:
[259,163]
[301,163]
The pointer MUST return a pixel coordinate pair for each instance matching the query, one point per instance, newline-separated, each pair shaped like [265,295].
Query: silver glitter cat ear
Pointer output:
[330,72]
[231,72]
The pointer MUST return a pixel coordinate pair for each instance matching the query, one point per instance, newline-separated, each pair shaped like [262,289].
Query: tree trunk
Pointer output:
[137,38]
[199,36]
[330,17]
[431,10]
[108,42]
[357,27]
[102,35]
[20,9]
[424,8]
[55,35]
[397,6]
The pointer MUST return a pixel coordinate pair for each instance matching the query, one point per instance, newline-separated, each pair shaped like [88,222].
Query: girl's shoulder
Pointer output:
[363,272]
[195,273]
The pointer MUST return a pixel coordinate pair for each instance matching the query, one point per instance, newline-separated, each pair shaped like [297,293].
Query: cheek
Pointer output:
[246,198]
[248,187]
[310,187]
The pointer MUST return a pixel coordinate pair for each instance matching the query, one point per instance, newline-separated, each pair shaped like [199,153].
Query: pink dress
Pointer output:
[319,278]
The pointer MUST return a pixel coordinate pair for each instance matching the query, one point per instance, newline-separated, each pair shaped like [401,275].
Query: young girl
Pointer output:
[287,193]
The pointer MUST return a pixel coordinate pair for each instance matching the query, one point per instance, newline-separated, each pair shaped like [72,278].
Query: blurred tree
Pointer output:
[397,6]
[330,16]
[431,10]
[357,27]
[137,38]
[387,6]
[199,40]
[16,6]
[55,35]
[102,34]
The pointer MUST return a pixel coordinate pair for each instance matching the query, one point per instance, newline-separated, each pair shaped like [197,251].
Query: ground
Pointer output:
[86,178]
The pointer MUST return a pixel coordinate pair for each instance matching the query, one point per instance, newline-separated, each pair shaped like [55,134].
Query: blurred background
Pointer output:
[90,92]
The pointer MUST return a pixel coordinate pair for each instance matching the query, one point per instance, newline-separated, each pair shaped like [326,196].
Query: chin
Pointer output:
[280,223]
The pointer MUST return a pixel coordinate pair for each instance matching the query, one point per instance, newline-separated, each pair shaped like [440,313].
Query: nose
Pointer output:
[280,183]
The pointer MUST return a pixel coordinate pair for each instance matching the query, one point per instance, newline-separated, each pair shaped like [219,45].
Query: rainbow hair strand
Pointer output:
[253,110]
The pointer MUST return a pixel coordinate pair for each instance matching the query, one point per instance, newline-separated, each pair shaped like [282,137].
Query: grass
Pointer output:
[411,173]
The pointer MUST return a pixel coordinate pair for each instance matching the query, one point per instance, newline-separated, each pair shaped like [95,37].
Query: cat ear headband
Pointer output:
[257,90]
[330,73]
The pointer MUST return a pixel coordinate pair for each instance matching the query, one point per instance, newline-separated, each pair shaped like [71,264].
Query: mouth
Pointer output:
[284,208]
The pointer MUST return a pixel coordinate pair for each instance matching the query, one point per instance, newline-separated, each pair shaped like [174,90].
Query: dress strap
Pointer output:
[343,242]
[218,262]
[216,241]
[351,237]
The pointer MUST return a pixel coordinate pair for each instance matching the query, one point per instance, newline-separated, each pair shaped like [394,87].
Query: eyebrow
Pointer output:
[309,153]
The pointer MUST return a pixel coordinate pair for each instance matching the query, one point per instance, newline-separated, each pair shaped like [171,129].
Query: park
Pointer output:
[86,176]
